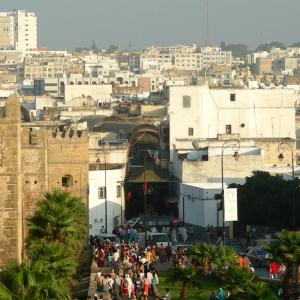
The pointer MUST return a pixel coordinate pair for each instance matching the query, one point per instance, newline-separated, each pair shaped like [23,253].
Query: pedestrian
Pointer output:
[168,251]
[174,235]
[154,283]
[221,294]
[281,270]
[273,269]
[124,288]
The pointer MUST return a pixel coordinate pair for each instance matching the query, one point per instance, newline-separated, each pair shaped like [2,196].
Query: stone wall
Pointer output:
[10,181]
[35,158]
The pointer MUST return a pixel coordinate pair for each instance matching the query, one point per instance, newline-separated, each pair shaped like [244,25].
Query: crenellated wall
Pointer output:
[35,158]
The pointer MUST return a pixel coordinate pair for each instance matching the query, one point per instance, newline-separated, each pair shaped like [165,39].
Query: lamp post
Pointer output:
[103,143]
[145,200]
[105,187]
[235,145]
[286,144]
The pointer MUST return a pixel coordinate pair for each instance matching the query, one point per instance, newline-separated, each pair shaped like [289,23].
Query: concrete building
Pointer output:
[106,197]
[46,64]
[197,204]
[259,119]
[181,57]
[252,114]
[264,66]
[18,30]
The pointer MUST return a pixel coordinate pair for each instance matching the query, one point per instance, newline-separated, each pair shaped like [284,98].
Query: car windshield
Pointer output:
[261,252]
[160,238]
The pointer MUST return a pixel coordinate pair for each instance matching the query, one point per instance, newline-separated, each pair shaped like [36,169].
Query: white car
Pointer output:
[161,239]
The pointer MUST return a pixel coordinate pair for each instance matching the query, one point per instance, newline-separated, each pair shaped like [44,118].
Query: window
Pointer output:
[32,136]
[205,157]
[228,129]
[101,192]
[118,191]
[191,131]
[186,101]
[232,97]
[67,181]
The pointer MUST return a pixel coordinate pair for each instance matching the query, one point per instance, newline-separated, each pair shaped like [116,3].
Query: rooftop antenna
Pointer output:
[207,23]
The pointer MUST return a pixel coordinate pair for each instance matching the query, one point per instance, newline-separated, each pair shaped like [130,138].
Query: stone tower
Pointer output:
[11,238]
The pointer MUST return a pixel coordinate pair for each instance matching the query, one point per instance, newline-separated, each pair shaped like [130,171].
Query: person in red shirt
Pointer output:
[273,269]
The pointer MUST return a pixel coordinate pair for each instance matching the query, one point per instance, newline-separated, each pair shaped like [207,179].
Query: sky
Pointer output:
[67,24]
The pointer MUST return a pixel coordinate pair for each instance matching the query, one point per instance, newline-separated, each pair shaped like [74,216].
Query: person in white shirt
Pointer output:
[130,285]
[116,256]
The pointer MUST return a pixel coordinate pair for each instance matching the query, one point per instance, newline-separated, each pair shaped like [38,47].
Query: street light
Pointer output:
[286,144]
[103,144]
[235,145]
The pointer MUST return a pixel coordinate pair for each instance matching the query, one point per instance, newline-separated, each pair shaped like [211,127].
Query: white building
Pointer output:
[197,204]
[248,114]
[188,58]
[20,30]
[106,197]
[100,92]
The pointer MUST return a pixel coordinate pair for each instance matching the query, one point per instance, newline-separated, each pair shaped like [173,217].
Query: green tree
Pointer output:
[94,47]
[244,285]
[60,217]
[55,257]
[268,46]
[203,257]
[238,50]
[31,281]
[287,249]
[267,200]
[112,49]
[186,277]
[297,45]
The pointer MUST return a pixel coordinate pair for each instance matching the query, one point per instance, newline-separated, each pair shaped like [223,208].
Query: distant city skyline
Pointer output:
[139,24]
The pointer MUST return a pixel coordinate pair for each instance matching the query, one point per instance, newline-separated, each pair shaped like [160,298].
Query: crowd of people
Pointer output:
[132,273]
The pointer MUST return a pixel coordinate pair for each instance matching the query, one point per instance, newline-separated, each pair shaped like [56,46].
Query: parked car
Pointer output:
[152,221]
[234,244]
[159,238]
[261,242]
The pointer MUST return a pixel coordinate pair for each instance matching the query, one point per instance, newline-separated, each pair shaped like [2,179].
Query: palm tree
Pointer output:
[60,217]
[55,257]
[186,277]
[225,257]
[287,249]
[244,285]
[5,293]
[203,257]
[31,281]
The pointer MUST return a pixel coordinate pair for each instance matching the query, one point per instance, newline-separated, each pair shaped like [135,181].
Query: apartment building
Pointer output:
[188,58]
[46,65]
[18,30]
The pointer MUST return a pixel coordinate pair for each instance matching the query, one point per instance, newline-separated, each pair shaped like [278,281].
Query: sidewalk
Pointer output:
[92,287]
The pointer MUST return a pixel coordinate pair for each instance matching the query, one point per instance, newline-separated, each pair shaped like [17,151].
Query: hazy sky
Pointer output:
[142,23]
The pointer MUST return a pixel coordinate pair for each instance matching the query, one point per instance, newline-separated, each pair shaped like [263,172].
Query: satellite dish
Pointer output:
[196,145]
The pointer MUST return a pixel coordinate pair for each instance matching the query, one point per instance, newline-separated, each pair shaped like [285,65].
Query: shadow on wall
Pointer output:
[97,216]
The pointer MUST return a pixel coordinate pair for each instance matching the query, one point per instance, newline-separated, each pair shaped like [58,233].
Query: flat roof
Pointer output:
[206,185]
